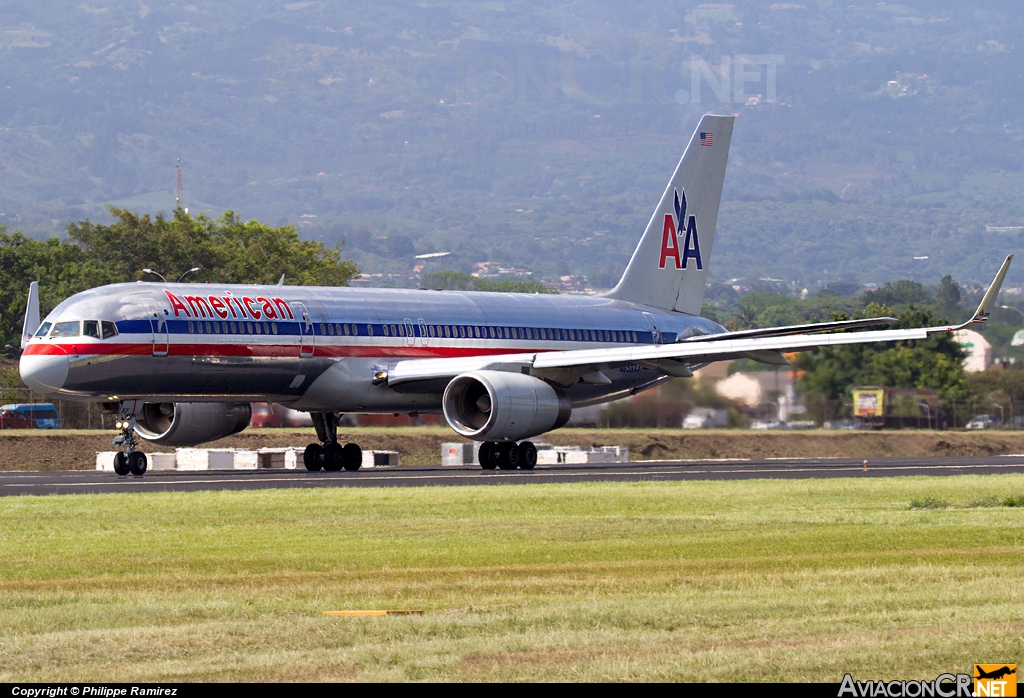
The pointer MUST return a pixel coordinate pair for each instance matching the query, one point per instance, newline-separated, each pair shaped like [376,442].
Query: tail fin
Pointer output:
[31,323]
[669,267]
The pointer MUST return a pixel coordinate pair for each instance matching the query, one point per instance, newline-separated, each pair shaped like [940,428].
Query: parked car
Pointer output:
[706,418]
[43,415]
[10,419]
[770,424]
[984,421]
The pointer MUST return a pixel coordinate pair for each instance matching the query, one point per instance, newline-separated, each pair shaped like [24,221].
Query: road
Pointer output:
[83,482]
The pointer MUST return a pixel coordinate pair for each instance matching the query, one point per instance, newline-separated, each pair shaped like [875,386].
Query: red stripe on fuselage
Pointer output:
[272,350]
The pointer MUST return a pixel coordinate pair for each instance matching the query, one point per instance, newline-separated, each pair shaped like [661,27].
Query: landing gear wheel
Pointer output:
[488,455]
[120,464]
[527,455]
[137,463]
[311,457]
[332,457]
[508,456]
[352,457]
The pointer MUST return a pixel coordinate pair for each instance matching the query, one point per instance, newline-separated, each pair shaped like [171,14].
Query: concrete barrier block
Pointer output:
[459,453]
[380,459]
[162,461]
[105,460]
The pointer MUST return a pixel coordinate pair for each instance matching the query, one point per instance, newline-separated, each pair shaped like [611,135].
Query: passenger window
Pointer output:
[234,328]
[401,330]
[66,329]
[430,328]
[43,329]
[369,330]
[259,329]
[355,330]
[191,327]
[248,327]
[273,327]
[476,331]
[91,328]
[323,330]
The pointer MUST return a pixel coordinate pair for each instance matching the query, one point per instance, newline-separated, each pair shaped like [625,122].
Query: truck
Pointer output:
[897,408]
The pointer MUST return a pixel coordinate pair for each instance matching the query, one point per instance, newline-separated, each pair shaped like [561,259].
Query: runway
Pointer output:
[90,482]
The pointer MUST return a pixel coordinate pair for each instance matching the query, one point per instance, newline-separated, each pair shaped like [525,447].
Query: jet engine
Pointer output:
[500,406]
[191,423]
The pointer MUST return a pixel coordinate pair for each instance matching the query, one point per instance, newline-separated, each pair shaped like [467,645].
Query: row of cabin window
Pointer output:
[97,329]
[447,331]
[225,327]
[476,332]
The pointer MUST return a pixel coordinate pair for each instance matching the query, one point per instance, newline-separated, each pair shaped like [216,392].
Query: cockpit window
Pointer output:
[43,329]
[69,328]
[109,329]
[91,328]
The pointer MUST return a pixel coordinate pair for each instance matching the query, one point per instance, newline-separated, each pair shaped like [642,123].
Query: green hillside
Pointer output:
[533,135]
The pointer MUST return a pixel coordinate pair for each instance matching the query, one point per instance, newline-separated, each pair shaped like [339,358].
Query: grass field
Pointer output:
[752,580]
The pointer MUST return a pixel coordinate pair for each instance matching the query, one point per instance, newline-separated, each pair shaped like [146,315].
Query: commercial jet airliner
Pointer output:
[181,363]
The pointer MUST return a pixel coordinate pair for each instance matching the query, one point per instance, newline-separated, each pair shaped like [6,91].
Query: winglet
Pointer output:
[31,314]
[988,302]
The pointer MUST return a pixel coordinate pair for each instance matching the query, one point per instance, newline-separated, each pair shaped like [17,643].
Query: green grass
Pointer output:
[753,580]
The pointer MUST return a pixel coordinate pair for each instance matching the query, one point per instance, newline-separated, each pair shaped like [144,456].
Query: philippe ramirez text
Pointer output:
[91,691]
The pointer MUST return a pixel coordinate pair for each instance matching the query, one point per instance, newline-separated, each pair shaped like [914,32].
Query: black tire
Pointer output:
[137,463]
[311,457]
[120,464]
[508,456]
[332,457]
[352,457]
[486,456]
[527,456]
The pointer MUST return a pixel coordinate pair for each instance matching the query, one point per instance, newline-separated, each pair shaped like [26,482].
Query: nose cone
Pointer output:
[45,373]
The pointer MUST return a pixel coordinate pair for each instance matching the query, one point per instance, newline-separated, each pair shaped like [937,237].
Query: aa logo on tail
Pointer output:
[674,225]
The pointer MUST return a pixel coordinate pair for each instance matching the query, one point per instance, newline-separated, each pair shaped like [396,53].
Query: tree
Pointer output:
[903,292]
[947,296]
[226,249]
[830,373]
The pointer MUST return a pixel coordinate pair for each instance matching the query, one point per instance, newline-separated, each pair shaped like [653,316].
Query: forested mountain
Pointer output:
[537,135]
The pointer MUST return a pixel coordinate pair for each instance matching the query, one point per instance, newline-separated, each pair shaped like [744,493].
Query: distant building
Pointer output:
[979,350]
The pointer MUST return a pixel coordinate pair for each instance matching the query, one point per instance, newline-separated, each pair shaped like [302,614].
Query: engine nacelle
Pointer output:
[191,423]
[500,406]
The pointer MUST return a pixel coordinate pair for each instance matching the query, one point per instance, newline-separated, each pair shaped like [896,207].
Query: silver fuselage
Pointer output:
[317,348]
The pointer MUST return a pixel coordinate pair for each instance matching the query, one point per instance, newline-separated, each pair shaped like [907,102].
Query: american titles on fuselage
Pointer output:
[674,225]
[210,306]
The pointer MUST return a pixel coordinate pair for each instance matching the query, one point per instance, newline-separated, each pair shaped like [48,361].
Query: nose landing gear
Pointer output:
[507,455]
[329,455]
[129,460]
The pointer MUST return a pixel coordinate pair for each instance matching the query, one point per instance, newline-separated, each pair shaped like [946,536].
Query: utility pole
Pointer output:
[177,194]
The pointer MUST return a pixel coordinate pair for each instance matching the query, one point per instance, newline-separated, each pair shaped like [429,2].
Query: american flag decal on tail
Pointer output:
[706,138]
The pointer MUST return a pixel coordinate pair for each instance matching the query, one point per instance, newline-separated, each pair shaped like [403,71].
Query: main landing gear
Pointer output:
[329,455]
[129,460]
[507,455]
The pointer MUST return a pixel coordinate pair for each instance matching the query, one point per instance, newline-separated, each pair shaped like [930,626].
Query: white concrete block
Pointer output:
[105,460]
[380,459]
[162,461]
[459,453]
[245,459]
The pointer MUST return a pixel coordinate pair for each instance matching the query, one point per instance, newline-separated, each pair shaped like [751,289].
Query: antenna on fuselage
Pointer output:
[280,282]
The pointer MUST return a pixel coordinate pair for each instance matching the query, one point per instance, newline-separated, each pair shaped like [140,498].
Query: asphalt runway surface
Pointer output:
[91,482]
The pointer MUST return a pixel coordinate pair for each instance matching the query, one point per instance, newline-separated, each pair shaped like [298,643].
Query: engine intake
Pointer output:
[500,406]
[191,423]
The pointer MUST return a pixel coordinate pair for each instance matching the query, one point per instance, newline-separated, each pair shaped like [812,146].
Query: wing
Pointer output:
[565,367]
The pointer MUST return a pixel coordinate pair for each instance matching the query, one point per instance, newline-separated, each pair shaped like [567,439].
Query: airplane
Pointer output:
[181,363]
